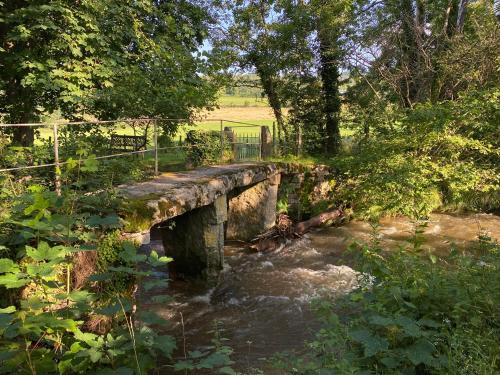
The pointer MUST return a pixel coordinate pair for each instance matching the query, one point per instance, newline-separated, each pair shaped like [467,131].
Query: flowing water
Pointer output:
[262,301]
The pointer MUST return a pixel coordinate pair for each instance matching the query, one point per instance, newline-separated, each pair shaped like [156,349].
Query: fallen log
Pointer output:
[318,220]
[285,230]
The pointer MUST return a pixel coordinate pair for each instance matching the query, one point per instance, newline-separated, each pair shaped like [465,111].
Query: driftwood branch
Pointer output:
[285,230]
[316,221]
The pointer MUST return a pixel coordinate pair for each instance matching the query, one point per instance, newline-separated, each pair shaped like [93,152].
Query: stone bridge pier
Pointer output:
[192,214]
[195,240]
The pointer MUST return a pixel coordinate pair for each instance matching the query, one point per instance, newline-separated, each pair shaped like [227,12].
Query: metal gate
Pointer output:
[247,147]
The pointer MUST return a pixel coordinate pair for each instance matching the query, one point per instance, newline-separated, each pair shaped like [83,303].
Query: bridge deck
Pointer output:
[172,194]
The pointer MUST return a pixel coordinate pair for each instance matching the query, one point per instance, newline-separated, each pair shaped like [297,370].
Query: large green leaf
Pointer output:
[409,326]
[8,310]
[12,280]
[421,352]
[7,265]
[155,260]
[372,343]
[45,252]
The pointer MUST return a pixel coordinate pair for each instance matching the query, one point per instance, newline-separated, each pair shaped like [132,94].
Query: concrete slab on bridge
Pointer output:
[172,194]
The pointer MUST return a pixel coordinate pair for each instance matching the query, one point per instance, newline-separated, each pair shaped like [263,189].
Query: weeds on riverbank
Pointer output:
[420,314]
[58,315]
[67,282]
[435,156]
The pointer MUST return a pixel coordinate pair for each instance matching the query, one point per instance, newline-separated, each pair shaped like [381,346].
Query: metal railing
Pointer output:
[135,124]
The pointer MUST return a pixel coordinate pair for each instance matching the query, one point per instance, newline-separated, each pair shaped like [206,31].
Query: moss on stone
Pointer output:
[137,213]
[166,207]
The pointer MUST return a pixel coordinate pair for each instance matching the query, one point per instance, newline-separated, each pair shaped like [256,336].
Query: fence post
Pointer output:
[155,136]
[261,140]
[221,140]
[56,162]
[298,141]
[274,139]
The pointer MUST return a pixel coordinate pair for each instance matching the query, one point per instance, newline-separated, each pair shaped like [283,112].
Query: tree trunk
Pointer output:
[366,129]
[284,229]
[298,139]
[21,107]
[269,86]
[318,220]
[23,136]
[462,9]
[330,88]
[409,60]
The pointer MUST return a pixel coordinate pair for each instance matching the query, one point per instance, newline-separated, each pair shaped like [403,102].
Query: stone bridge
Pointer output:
[192,213]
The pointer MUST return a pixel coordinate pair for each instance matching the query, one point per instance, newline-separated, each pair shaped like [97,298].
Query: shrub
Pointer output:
[205,147]
[421,315]
[441,155]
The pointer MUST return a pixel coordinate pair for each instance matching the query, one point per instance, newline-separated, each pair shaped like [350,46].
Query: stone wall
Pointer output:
[305,191]
[195,240]
[252,210]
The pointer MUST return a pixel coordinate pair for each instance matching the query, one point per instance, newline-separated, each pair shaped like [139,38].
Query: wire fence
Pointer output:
[141,136]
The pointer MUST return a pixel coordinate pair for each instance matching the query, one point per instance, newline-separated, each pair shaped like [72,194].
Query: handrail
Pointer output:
[97,122]
[56,124]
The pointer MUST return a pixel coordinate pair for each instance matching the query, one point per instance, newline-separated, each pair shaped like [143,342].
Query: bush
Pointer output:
[110,256]
[41,328]
[441,155]
[205,147]
[417,315]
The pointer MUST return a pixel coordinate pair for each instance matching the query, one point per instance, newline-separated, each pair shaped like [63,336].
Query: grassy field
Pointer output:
[231,108]
[242,101]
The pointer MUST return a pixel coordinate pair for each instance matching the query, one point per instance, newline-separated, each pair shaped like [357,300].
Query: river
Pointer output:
[262,302]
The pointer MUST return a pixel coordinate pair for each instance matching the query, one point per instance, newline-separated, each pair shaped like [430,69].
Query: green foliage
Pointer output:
[105,58]
[413,314]
[205,147]
[296,51]
[50,47]
[112,254]
[457,51]
[214,357]
[42,332]
[436,156]
[45,318]
[165,74]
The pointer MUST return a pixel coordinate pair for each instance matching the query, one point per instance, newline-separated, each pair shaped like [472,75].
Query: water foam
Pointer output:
[204,298]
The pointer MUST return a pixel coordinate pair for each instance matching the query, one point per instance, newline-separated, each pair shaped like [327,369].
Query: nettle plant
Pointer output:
[421,314]
[43,321]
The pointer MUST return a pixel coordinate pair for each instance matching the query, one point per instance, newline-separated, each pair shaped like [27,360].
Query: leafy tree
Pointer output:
[51,56]
[331,20]
[165,74]
[103,58]
[295,49]
[411,52]
[248,43]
